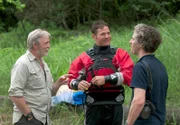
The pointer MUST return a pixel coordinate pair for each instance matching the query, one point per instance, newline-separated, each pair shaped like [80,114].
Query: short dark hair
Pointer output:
[98,24]
[148,37]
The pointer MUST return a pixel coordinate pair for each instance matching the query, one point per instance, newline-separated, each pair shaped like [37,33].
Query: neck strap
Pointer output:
[150,82]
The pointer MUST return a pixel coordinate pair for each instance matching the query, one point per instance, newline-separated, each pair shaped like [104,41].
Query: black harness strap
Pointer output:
[150,82]
[97,58]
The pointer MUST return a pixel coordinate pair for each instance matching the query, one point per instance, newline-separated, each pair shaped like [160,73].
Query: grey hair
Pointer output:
[148,37]
[34,37]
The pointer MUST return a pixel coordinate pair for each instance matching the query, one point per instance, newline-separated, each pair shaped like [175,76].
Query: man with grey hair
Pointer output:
[32,83]
[150,80]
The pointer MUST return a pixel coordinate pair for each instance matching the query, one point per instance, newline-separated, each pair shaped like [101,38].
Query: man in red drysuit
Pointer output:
[100,72]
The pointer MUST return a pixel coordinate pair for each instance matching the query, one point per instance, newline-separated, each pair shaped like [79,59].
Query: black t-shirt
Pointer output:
[159,89]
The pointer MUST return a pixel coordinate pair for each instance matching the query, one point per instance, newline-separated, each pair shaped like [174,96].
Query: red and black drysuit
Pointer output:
[116,65]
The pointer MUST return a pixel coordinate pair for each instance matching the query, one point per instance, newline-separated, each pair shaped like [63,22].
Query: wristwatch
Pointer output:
[29,116]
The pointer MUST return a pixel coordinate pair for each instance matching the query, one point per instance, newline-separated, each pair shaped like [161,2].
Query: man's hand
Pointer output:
[61,81]
[64,79]
[84,85]
[98,80]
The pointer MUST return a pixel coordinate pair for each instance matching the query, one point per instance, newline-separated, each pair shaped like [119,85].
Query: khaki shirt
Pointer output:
[29,80]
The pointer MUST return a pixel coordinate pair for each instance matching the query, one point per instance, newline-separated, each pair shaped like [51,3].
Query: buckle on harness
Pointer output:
[118,100]
[89,100]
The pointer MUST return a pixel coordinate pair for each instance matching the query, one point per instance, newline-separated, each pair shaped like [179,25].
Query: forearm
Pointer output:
[21,104]
[137,105]
[125,65]
[114,79]
[61,81]
[74,84]
[132,116]
[134,112]
[55,87]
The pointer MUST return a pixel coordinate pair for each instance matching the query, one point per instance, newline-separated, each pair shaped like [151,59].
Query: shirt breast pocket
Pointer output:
[36,79]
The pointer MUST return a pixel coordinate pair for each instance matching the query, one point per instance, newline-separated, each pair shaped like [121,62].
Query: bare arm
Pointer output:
[137,105]
[61,81]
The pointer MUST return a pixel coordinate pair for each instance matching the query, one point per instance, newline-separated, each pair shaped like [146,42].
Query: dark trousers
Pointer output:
[24,121]
[104,115]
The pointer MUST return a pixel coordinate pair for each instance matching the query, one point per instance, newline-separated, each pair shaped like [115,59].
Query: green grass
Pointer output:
[169,54]
[65,46]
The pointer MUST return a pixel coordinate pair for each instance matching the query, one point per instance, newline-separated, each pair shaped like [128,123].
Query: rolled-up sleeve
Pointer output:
[19,75]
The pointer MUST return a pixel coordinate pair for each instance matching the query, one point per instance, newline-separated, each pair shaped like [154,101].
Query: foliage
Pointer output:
[8,10]
[70,14]
[171,37]
[8,57]
[5,111]
[64,114]
[16,3]
[17,36]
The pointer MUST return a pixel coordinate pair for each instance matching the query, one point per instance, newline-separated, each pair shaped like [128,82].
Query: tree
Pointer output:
[8,10]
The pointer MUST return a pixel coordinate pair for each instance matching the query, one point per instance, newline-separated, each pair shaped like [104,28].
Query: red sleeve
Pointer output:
[125,64]
[76,66]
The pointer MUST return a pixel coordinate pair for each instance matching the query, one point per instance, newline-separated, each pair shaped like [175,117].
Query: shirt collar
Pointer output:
[101,49]
[30,55]
[148,55]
